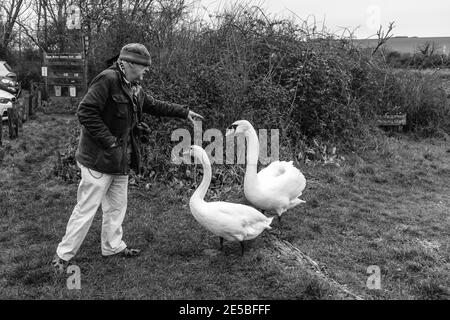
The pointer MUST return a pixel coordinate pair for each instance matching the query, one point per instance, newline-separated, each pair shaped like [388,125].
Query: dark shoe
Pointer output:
[59,265]
[130,253]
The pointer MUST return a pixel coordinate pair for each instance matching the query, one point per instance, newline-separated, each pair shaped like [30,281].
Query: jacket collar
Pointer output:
[131,88]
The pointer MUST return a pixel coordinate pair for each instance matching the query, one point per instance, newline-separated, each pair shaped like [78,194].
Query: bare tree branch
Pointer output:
[383,37]
[28,34]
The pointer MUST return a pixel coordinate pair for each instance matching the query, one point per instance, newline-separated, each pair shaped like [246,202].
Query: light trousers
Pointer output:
[95,189]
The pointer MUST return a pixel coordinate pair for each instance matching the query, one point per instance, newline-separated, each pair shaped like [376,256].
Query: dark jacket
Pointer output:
[108,113]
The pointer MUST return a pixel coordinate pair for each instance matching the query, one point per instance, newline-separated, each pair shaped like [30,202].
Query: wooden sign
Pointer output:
[392,120]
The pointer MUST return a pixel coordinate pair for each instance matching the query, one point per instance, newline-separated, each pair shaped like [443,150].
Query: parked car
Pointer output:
[8,79]
[6,101]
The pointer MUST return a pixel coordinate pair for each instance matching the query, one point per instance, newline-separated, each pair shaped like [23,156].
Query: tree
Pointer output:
[428,48]
[10,12]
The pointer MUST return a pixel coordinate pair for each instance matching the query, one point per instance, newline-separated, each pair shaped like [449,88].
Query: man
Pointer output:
[110,114]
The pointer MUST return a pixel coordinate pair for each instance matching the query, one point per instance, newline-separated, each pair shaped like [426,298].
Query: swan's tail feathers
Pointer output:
[254,230]
[295,202]
[301,184]
[280,211]
[266,223]
[269,222]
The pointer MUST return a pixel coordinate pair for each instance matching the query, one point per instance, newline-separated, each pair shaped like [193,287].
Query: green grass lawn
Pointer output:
[387,207]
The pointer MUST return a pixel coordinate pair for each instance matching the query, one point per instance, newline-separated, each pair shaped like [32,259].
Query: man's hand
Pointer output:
[114,145]
[193,115]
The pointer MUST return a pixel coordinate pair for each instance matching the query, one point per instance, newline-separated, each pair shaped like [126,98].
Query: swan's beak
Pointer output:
[190,156]
[229,132]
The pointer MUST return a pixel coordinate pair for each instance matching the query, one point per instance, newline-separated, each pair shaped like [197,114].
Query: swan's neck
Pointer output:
[204,185]
[252,156]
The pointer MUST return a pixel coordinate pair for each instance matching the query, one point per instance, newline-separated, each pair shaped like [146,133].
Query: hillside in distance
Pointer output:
[411,44]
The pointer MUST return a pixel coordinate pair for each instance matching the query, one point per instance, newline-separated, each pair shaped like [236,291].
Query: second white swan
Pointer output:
[230,221]
[276,187]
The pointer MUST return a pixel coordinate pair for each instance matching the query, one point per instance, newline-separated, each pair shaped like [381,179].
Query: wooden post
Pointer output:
[26,114]
[13,123]
[30,104]
[23,109]
[34,102]
[17,121]
[10,123]
[39,98]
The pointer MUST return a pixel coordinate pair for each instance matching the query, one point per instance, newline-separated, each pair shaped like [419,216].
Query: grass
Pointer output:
[387,208]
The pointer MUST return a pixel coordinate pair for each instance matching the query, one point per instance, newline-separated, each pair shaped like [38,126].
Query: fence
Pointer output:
[22,109]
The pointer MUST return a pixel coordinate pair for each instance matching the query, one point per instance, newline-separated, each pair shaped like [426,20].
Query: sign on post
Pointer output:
[73,91]
[57,91]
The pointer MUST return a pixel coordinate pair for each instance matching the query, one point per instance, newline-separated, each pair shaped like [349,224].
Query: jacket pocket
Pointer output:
[110,160]
[120,106]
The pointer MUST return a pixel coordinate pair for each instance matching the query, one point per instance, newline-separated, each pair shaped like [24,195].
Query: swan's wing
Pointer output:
[253,221]
[298,179]
[272,170]
[245,214]
[282,178]
[219,221]
[246,217]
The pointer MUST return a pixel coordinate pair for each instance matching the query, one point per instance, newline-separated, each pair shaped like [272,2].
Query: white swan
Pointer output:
[230,221]
[276,187]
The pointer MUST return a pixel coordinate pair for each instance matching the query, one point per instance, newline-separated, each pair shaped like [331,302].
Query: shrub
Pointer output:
[278,73]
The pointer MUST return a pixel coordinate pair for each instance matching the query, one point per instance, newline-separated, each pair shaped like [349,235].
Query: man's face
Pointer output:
[137,71]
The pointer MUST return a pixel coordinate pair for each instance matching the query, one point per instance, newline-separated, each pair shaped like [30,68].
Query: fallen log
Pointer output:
[286,249]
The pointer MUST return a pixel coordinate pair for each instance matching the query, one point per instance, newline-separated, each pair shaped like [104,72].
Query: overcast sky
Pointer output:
[430,18]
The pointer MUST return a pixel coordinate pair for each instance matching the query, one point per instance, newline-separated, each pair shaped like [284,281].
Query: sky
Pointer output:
[430,18]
